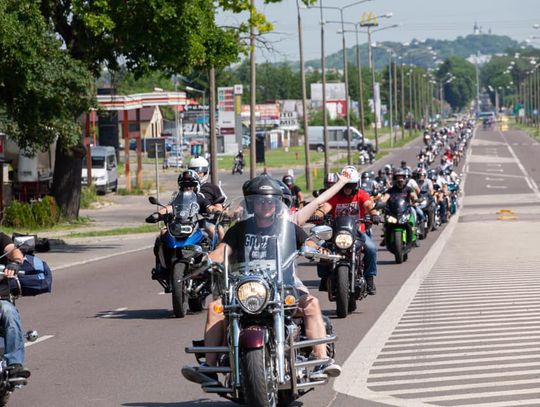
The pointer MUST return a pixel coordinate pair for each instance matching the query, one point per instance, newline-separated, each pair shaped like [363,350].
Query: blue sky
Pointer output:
[419,19]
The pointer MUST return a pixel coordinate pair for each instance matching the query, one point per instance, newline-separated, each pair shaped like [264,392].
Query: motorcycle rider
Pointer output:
[352,200]
[212,192]
[262,195]
[10,320]
[296,192]
[400,187]
[240,159]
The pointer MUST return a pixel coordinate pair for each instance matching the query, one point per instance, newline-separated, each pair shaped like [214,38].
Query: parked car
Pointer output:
[174,160]
[337,138]
[104,169]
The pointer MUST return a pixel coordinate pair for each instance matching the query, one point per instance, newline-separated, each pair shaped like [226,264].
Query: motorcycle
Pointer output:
[399,228]
[453,189]
[265,355]
[238,166]
[345,281]
[181,247]
[8,383]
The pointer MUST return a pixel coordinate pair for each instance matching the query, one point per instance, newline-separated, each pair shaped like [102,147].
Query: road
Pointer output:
[109,340]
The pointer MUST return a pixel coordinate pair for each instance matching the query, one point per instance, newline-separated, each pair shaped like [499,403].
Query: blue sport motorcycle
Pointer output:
[181,246]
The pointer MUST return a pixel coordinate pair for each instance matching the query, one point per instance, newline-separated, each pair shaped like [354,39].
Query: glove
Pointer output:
[13,266]
[375,219]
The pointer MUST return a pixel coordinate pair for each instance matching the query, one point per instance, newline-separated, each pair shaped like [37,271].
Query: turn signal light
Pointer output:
[218,308]
[290,300]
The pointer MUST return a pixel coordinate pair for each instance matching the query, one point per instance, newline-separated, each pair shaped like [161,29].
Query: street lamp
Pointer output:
[345,74]
[369,24]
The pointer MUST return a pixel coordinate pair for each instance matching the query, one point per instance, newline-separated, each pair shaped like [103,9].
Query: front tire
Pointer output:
[178,288]
[259,389]
[342,291]
[398,246]
[4,397]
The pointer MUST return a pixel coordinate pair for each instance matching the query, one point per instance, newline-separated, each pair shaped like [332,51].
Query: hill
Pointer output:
[424,53]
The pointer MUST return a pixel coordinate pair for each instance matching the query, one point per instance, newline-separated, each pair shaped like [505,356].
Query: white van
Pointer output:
[104,169]
[337,138]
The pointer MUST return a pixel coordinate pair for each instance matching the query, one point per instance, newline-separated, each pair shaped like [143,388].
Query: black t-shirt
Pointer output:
[212,193]
[247,245]
[4,241]
[404,192]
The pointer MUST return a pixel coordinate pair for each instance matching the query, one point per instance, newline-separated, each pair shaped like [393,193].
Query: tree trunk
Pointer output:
[66,187]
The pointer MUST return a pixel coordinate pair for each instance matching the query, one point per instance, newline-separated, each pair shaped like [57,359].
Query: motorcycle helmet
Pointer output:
[200,165]
[330,179]
[400,178]
[288,180]
[408,172]
[364,176]
[354,177]
[261,185]
[189,178]
[287,196]
[432,174]
[388,169]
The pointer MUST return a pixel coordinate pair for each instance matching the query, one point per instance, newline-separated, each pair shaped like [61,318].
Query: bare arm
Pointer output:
[218,254]
[307,211]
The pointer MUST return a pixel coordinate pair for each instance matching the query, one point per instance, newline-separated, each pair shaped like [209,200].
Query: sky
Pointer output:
[418,19]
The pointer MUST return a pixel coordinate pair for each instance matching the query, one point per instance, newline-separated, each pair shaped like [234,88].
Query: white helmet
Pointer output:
[353,175]
[352,172]
[199,164]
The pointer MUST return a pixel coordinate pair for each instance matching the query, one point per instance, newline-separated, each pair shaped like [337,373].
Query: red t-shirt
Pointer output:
[350,205]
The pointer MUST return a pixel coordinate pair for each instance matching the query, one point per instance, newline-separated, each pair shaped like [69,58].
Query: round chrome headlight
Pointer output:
[344,240]
[252,296]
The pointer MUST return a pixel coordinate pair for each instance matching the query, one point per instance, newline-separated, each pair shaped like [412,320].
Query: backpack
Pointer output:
[37,278]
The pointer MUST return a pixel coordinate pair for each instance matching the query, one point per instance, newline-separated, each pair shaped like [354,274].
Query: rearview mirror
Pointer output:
[153,200]
[322,232]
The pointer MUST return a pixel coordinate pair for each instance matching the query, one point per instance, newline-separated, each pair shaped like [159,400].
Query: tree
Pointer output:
[43,90]
[460,92]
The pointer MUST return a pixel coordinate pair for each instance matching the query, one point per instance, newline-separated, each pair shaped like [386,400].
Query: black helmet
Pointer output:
[402,174]
[288,180]
[189,178]
[287,196]
[262,185]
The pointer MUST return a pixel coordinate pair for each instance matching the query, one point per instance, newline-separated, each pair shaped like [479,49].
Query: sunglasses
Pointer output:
[262,201]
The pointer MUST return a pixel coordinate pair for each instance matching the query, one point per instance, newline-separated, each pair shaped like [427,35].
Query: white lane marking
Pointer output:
[108,256]
[495,170]
[110,314]
[494,165]
[162,293]
[38,340]
[533,187]
[496,186]
[498,175]
[494,179]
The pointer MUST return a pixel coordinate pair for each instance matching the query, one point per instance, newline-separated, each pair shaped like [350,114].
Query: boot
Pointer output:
[371,289]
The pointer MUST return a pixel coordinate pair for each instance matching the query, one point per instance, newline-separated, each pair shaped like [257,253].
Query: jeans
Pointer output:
[10,323]
[419,214]
[370,256]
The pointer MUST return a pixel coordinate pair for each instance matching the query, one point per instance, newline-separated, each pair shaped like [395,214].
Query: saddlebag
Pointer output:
[36,280]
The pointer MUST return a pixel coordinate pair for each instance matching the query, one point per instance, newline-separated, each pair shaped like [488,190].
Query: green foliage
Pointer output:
[39,214]
[43,90]
[461,90]
[88,196]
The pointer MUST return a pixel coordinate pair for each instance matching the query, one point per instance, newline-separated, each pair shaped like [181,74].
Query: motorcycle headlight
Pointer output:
[391,219]
[252,296]
[344,240]
[404,219]
[178,229]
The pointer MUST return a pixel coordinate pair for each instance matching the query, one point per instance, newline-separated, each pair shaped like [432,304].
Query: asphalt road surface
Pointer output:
[108,339]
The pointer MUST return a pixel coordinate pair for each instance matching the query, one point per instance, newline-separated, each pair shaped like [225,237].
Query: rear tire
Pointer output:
[178,288]
[398,246]
[342,291]
[4,397]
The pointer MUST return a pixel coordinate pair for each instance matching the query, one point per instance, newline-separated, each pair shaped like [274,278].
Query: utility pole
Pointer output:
[309,178]
[325,118]
[253,94]
[213,135]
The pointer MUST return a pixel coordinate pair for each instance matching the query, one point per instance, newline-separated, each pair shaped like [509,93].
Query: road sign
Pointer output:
[288,120]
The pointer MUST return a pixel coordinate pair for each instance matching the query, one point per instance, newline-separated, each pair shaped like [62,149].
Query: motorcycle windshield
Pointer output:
[396,205]
[185,205]
[263,239]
